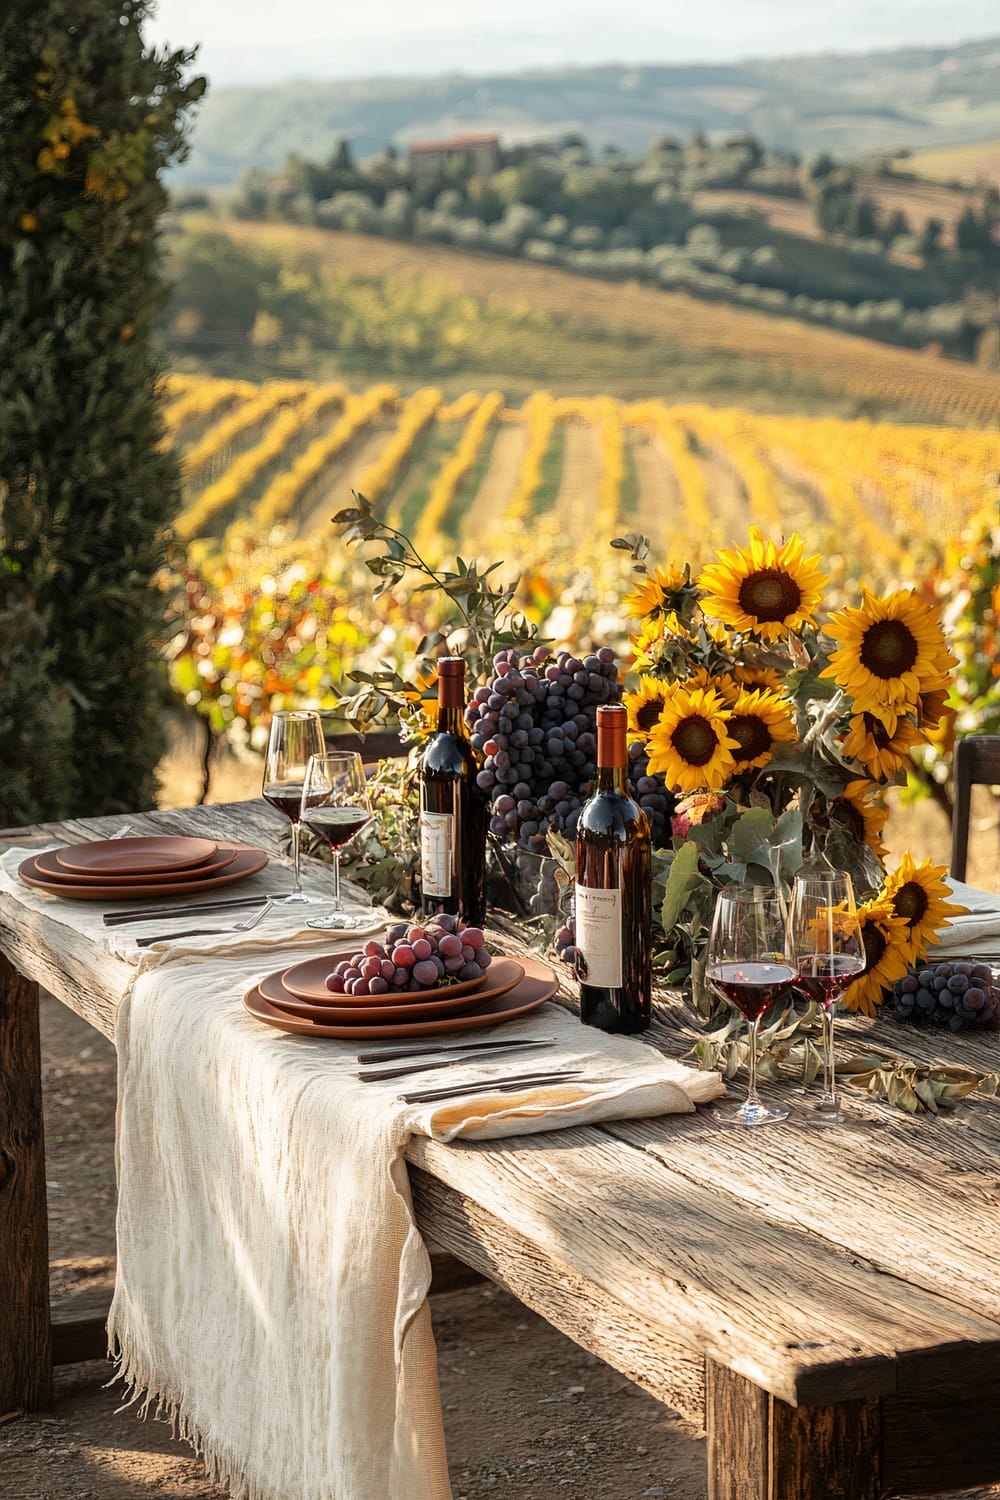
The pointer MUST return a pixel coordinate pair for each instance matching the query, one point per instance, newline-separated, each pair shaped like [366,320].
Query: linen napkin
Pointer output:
[271,1292]
[974,935]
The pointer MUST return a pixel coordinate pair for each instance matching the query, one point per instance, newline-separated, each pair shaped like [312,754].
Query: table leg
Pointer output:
[25,1332]
[759,1448]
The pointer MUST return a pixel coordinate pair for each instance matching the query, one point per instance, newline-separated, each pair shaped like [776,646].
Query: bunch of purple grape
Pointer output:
[535,724]
[958,995]
[413,958]
[565,941]
[652,794]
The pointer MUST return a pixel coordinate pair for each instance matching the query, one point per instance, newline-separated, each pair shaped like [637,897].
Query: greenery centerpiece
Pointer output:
[780,728]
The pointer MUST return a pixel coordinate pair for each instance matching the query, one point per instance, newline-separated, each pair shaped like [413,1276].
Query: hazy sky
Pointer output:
[266,40]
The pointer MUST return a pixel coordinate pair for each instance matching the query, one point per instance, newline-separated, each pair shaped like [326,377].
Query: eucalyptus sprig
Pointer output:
[788,1049]
[487,620]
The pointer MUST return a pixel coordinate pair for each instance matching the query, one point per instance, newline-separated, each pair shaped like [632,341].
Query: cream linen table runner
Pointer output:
[271,1294]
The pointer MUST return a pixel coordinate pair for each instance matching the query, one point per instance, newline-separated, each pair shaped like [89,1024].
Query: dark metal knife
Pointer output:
[438,1049]
[446,1062]
[189,909]
[500,1086]
[168,937]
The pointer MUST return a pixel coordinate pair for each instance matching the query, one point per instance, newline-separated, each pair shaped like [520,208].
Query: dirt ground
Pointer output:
[528,1415]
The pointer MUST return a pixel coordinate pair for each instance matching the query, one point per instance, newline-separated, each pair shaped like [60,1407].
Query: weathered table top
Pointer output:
[816,1266]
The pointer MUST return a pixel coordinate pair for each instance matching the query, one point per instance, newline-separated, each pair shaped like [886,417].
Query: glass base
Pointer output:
[752,1114]
[341,921]
[296,898]
[826,1112]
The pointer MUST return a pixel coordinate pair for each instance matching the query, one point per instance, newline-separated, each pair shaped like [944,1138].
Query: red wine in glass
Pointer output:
[296,734]
[336,825]
[825,976]
[752,987]
[286,796]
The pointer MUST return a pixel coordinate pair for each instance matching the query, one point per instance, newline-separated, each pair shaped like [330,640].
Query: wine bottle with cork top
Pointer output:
[613,897]
[453,811]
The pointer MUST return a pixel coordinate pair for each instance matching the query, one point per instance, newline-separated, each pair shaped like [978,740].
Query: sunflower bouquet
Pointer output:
[777,727]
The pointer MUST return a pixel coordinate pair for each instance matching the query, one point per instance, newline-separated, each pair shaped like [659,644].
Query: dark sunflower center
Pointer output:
[911,902]
[649,714]
[889,648]
[769,595]
[695,740]
[875,945]
[751,734]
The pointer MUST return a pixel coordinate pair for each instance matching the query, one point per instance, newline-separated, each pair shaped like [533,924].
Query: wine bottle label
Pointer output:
[437,853]
[599,936]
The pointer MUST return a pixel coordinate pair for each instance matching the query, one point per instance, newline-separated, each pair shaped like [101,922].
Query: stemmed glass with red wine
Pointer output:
[747,965]
[824,940]
[296,735]
[335,808]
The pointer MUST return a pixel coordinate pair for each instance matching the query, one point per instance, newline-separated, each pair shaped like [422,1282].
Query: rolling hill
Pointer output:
[918,97]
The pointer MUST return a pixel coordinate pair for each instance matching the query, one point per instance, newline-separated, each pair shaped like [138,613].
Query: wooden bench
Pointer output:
[823,1301]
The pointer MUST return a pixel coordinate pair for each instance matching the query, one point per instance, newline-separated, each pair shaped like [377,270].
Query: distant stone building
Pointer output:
[429,158]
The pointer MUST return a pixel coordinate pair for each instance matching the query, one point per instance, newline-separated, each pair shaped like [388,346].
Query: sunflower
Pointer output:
[760,677]
[758,722]
[886,956]
[765,589]
[691,744]
[727,687]
[921,899]
[887,650]
[857,811]
[881,742]
[646,704]
[657,592]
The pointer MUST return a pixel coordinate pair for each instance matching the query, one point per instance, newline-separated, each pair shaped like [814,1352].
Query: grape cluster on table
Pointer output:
[959,995]
[413,957]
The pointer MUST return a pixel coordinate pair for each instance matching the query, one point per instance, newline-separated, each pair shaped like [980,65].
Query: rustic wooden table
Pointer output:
[824,1301]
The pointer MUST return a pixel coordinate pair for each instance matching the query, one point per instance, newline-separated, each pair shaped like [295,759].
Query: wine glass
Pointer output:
[824,940]
[746,964]
[335,807]
[296,734]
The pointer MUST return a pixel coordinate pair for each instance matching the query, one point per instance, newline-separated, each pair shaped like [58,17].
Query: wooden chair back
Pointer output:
[977,763]
[378,744]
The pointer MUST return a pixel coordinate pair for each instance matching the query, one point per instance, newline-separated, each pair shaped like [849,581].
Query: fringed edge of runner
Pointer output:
[163,1405]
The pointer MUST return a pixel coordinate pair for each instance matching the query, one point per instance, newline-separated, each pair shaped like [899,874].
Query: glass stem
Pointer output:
[295,859]
[753,1098]
[829,1065]
[337,906]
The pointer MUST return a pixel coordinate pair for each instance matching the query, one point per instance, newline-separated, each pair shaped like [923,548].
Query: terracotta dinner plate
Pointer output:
[136,856]
[503,976]
[538,985]
[307,981]
[247,862]
[48,864]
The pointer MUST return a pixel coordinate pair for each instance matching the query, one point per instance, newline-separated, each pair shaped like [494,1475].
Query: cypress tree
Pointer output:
[89,121]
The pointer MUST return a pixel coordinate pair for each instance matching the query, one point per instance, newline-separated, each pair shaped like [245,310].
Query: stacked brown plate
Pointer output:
[120,869]
[297,1000]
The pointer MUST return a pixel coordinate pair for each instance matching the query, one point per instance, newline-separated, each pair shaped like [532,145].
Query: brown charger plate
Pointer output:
[503,976]
[48,864]
[247,862]
[538,985]
[307,981]
[147,855]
